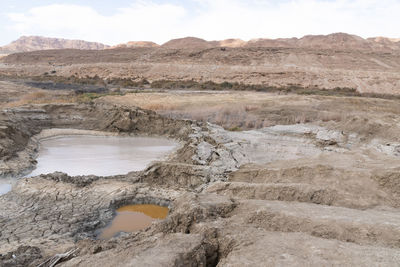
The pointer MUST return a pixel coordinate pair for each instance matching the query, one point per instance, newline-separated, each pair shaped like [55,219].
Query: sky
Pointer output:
[119,21]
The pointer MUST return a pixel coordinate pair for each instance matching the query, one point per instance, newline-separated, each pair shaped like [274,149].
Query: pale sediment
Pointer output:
[234,197]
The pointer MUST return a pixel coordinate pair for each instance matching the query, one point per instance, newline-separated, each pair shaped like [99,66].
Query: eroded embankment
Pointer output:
[365,71]
[53,211]
[235,198]
[19,125]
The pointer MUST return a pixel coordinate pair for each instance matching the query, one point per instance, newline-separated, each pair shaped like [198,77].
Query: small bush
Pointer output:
[235,129]
[209,85]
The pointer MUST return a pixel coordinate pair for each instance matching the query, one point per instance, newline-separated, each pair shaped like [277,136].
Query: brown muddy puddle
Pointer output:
[132,218]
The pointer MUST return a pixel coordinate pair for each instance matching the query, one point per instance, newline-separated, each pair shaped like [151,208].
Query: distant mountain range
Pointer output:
[340,41]
[34,43]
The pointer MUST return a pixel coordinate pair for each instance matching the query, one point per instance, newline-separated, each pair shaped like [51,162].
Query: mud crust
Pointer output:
[235,198]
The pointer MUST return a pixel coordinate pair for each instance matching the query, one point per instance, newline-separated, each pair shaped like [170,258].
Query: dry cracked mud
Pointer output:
[292,195]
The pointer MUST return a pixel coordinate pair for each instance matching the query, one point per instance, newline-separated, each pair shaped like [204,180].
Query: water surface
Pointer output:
[4,187]
[99,155]
[132,218]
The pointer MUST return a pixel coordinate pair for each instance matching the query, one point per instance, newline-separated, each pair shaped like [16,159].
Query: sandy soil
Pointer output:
[366,71]
[313,180]
[368,117]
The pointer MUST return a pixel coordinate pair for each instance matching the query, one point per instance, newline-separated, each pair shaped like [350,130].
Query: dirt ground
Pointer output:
[368,117]
[261,179]
[366,71]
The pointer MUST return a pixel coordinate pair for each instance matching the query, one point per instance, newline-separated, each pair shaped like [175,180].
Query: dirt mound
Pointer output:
[188,43]
[334,41]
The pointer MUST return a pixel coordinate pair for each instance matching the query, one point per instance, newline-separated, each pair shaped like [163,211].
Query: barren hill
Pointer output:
[232,43]
[133,44]
[33,43]
[341,41]
[325,62]
[189,42]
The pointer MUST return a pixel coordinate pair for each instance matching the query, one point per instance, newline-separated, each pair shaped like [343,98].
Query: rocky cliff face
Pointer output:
[33,43]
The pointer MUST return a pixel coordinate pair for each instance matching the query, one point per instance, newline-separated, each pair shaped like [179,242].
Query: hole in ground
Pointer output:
[132,218]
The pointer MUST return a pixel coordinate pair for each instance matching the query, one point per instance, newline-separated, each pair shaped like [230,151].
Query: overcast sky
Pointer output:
[119,21]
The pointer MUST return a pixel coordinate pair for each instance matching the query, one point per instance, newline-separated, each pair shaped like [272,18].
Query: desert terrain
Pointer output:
[288,156]
[324,62]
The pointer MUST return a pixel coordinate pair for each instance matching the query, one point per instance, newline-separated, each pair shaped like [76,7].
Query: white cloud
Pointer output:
[137,22]
[213,19]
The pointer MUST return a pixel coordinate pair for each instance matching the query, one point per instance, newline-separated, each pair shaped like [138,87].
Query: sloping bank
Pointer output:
[48,214]
[218,214]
